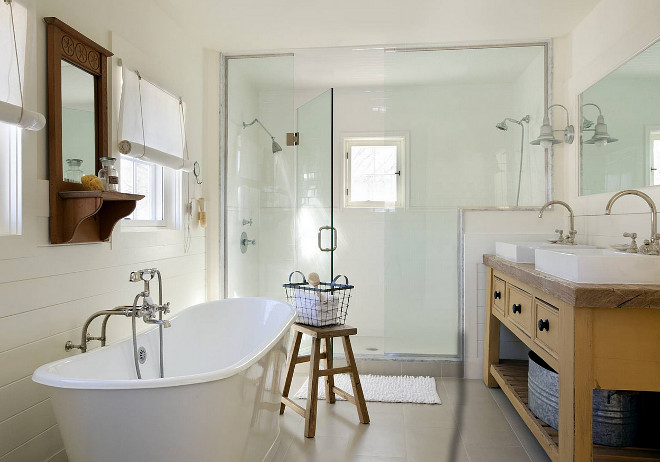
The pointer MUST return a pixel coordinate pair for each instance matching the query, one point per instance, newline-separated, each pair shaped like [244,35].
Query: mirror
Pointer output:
[78,131]
[77,106]
[620,127]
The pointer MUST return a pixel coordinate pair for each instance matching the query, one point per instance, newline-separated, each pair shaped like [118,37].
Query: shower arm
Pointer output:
[262,126]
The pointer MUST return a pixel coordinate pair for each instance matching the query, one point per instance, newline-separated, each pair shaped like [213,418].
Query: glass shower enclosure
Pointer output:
[291,209]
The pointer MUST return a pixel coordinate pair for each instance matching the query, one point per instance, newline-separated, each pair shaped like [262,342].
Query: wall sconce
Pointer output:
[601,137]
[547,137]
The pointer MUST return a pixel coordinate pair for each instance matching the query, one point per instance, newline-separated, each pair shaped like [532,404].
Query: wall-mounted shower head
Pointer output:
[504,127]
[275,146]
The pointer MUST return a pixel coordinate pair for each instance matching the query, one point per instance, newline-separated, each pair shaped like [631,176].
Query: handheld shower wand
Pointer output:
[504,127]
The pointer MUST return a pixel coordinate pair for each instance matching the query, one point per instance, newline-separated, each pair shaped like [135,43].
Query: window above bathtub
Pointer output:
[374,171]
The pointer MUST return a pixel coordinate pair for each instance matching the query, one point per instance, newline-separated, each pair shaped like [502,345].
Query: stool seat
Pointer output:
[323,335]
[324,332]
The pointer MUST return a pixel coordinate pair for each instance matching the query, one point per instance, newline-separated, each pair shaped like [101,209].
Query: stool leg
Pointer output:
[361,405]
[312,389]
[330,379]
[291,366]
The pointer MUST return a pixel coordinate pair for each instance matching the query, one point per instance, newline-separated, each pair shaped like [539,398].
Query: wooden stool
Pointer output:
[318,334]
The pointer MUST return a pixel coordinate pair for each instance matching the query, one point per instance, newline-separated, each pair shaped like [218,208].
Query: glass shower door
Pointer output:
[316,237]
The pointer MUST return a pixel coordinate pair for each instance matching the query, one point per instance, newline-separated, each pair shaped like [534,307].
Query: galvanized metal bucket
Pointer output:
[615,413]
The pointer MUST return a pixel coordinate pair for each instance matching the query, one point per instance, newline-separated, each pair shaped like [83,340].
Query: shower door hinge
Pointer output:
[292,139]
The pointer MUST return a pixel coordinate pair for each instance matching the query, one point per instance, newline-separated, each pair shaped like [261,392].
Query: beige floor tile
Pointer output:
[473,423]
[434,445]
[428,415]
[489,454]
[374,459]
[461,391]
[489,435]
[422,368]
[527,439]
[318,449]
[377,440]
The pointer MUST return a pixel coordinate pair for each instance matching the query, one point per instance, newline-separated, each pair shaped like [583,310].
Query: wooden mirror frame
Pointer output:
[77,215]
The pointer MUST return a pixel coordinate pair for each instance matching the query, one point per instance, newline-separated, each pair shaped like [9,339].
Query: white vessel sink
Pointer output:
[599,266]
[523,252]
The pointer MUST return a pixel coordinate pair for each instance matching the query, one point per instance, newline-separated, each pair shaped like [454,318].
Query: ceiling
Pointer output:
[257,25]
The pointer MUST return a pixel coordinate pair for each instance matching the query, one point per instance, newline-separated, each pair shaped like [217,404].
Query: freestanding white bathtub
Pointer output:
[219,400]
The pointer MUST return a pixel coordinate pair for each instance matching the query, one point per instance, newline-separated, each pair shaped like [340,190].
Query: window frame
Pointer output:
[398,140]
[11,176]
[167,180]
[652,135]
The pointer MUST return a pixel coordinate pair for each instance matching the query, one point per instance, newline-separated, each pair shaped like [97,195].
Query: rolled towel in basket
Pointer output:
[314,312]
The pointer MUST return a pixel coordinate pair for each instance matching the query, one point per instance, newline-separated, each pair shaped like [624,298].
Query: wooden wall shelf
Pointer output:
[90,216]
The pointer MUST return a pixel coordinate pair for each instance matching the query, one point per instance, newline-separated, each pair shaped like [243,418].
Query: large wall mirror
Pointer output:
[620,127]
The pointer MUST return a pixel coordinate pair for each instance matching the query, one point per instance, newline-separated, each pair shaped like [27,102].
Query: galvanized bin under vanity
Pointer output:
[615,413]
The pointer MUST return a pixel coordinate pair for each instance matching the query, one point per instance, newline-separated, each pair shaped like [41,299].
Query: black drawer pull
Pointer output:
[497,295]
[544,325]
[517,308]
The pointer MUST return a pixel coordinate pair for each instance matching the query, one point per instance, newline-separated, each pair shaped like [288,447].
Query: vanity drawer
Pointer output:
[546,327]
[499,291]
[519,308]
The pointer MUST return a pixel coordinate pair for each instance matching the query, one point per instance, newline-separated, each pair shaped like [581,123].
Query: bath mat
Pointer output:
[384,388]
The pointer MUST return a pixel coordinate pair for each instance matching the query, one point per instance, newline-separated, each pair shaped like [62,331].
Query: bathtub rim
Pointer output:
[44,375]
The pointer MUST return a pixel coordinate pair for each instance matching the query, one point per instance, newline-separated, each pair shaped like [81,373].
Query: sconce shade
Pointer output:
[546,137]
[601,136]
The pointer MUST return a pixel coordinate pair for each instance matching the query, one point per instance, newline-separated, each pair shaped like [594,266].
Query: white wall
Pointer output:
[47,291]
[260,184]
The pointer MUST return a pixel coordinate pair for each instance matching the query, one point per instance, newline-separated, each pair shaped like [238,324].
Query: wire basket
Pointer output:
[325,305]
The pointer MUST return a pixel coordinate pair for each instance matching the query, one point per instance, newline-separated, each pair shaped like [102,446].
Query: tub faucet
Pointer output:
[148,310]
[572,232]
[652,245]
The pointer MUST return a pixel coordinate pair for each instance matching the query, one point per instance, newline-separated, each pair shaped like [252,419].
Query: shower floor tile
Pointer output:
[451,432]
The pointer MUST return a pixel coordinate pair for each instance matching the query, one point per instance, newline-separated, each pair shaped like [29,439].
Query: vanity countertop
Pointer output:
[576,294]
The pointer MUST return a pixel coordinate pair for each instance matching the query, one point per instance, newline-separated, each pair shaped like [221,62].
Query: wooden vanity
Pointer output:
[594,336]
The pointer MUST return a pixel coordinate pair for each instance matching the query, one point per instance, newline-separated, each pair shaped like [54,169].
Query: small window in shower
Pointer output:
[374,174]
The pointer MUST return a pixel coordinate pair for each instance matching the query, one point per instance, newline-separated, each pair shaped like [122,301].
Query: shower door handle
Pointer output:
[334,239]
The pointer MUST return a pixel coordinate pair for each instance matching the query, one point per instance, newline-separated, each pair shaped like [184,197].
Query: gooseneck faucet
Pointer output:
[652,247]
[572,232]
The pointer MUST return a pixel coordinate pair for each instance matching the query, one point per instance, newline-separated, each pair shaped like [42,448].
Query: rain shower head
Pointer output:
[275,146]
[504,127]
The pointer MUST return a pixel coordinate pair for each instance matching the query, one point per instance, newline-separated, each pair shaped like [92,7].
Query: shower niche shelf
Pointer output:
[90,216]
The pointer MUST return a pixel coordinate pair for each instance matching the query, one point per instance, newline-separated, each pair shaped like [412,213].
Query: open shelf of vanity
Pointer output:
[595,336]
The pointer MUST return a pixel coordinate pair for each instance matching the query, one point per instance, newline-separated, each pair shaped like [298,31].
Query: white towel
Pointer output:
[314,310]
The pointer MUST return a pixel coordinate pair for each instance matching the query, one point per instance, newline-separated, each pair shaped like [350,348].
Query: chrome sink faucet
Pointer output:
[651,246]
[572,232]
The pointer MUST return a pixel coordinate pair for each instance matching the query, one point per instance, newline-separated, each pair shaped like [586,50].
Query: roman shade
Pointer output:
[13,45]
[151,123]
